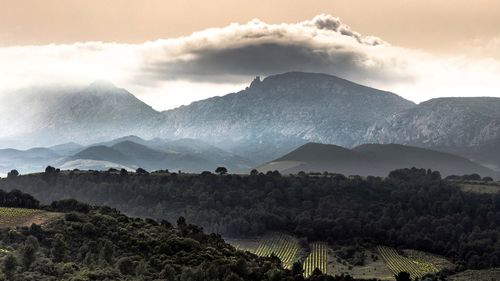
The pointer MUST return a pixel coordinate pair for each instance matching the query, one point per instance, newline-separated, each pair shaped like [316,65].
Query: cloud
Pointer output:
[323,44]
[171,72]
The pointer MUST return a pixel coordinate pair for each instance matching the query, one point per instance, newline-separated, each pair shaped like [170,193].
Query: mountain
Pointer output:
[26,160]
[282,112]
[466,126]
[372,159]
[443,122]
[215,155]
[131,152]
[67,114]
[67,149]
[268,119]
[102,153]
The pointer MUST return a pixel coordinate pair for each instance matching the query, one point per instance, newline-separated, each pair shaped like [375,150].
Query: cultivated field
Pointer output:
[284,246]
[317,258]
[416,263]
[373,268]
[477,275]
[12,217]
[380,263]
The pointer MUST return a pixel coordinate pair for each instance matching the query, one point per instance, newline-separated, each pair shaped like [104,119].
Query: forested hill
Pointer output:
[100,243]
[411,208]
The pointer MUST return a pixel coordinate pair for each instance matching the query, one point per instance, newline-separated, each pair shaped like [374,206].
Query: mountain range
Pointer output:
[129,153]
[263,122]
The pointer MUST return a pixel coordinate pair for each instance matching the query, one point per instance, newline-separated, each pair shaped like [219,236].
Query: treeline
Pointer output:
[412,208]
[16,198]
[102,244]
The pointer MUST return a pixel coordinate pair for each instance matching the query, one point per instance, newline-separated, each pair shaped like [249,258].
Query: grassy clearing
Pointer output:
[480,188]
[13,217]
[477,275]
[374,267]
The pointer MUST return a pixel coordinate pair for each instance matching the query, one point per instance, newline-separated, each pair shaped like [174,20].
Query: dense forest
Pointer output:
[411,208]
[100,243]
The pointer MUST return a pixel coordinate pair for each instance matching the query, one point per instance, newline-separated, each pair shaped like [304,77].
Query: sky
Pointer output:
[170,53]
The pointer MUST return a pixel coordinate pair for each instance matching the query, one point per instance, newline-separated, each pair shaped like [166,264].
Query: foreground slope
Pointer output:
[371,159]
[409,209]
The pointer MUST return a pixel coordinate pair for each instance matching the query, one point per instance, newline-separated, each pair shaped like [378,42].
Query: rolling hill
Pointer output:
[371,159]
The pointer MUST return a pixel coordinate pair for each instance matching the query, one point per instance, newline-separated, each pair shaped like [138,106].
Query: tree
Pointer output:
[28,255]
[126,266]
[297,268]
[123,172]
[28,252]
[141,171]
[9,266]
[50,170]
[403,276]
[221,170]
[12,174]
[59,248]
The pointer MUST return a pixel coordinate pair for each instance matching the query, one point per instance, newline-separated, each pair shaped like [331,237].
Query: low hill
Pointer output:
[102,153]
[99,243]
[26,160]
[156,154]
[371,159]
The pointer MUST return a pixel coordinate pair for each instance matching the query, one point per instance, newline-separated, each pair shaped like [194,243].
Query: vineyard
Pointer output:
[423,257]
[417,265]
[285,247]
[317,258]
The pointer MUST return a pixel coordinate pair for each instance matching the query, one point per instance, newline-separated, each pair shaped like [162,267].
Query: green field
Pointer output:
[12,217]
[317,258]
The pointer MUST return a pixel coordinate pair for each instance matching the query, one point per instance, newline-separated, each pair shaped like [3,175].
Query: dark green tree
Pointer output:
[221,170]
[403,276]
[59,248]
[9,266]
[12,174]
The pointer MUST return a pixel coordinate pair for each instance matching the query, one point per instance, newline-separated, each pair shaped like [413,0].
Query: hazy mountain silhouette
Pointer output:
[371,159]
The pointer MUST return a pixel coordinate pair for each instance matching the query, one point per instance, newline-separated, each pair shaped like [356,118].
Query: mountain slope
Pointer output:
[284,111]
[446,122]
[35,159]
[469,127]
[66,114]
[371,159]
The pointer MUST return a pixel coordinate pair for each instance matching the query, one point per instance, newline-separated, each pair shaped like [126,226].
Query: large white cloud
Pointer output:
[171,72]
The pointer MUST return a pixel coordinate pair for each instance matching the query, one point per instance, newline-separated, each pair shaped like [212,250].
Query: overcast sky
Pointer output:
[173,52]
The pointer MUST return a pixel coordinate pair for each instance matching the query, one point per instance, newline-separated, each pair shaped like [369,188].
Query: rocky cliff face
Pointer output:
[443,122]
